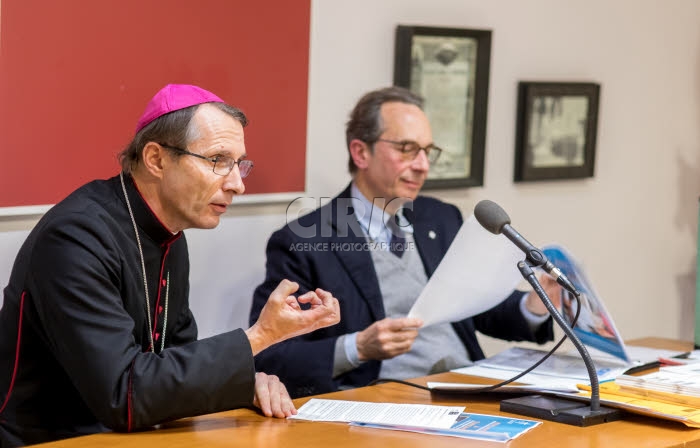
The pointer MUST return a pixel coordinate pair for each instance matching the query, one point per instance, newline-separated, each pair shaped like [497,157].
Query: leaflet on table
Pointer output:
[533,379]
[428,416]
[472,426]
[517,359]
[508,389]
[478,271]
[561,370]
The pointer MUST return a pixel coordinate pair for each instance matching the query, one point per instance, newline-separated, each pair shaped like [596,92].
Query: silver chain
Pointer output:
[143,270]
[165,319]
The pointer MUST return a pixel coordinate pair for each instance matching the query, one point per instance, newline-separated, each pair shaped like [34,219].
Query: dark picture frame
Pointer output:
[556,130]
[449,68]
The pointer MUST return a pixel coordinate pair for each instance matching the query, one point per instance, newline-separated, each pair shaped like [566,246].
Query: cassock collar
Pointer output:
[147,221]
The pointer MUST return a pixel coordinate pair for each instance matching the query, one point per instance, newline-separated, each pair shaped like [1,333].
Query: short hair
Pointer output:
[365,121]
[173,129]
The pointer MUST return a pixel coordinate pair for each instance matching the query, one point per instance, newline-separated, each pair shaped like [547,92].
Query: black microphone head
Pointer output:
[491,216]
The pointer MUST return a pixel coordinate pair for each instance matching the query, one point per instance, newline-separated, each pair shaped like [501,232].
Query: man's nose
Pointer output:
[421,162]
[234,182]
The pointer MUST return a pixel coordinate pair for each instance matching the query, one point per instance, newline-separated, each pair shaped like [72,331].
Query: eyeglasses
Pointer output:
[410,149]
[223,165]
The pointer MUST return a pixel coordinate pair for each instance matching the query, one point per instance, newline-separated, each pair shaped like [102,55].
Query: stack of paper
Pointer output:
[668,385]
[614,395]
[672,393]
[425,419]
[556,367]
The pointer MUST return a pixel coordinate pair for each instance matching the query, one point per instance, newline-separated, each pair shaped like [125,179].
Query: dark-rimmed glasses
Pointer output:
[223,165]
[410,149]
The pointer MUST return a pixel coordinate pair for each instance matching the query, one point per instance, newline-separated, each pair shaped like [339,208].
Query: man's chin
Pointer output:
[209,223]
[412,188]
[410,192]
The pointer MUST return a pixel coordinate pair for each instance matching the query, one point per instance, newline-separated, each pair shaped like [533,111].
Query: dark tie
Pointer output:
[397,242]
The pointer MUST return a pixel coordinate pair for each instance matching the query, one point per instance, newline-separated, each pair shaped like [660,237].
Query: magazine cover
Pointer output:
[495,428]
[595,326]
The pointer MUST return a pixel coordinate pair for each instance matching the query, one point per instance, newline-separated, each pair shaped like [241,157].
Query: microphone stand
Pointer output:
[556,408]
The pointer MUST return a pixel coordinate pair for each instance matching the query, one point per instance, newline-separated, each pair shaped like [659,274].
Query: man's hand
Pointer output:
[271,397]
[282,318]
[534,304]
[387,338]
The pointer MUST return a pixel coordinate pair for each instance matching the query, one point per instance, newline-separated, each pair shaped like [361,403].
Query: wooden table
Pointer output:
[244,427]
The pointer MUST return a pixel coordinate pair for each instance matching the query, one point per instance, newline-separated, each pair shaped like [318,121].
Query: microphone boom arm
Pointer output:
[556,408]
[529,275]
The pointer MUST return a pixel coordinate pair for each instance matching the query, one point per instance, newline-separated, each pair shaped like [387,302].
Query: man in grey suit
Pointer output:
[375,246]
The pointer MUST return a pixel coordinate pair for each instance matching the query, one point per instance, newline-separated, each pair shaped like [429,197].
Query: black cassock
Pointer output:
[85,364]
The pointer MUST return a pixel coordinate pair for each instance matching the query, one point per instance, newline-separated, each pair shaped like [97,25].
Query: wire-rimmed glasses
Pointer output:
[410,149]
[223,165]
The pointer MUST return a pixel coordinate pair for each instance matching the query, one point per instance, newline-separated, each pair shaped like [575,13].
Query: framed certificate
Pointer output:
[449,68]
[556,130]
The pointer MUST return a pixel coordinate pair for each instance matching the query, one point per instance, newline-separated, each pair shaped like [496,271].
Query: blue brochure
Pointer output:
[473,426]
[595,326]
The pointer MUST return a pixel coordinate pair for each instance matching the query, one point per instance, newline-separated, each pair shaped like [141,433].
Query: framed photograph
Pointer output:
[556,130]
[449,68]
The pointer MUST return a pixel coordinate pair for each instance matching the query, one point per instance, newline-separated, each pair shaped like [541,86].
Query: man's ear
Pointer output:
[361,153]
[152,157]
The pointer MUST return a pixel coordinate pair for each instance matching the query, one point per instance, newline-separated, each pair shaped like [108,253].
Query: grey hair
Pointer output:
[365,121]
[173,129]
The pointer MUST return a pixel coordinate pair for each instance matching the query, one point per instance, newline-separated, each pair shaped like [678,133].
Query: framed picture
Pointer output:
[556,130]
[449,68]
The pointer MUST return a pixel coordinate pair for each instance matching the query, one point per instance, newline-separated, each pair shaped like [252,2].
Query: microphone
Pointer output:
[494,219]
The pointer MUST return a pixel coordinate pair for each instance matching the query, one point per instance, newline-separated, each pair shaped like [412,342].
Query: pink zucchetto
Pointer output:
[174,97]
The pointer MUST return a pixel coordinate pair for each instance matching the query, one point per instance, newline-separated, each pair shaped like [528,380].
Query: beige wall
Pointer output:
[633,226]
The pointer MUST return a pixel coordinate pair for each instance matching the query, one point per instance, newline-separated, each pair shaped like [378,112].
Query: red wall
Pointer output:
[75,76]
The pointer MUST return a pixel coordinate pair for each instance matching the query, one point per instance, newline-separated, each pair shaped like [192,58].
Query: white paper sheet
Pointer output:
[543,381]
[477,273]
[429,416]
[517,359]
[510,388]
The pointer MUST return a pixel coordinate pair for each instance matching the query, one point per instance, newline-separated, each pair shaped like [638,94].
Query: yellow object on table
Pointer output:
[650,403]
